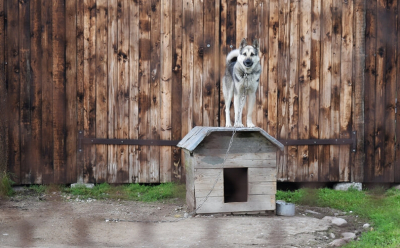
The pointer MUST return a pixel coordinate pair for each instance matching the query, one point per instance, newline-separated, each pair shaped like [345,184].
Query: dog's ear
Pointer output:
[256,45]
[243,44]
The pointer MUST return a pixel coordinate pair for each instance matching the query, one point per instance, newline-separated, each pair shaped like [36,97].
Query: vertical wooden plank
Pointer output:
[89,169]
[335,88]
[397,121]
[325,90]
[216,67]
[274,29]
[293,90]
[187,72]
[13,83]
[112,55]
[241,32]
[133,88]
[79,83]
[59,94]
[101,89]
[230,42]
[122,114]
[71,89]
[198,52]
[26,173]
[223,51]
[166,89]
[358,102]
[381,56]
[304,88]
[47,92]
[176,97]
[144,89]
[156,112]
[3,92]
[209,74]
[370,79]
[346,89]
[390,39]
[262,102]
[314,87]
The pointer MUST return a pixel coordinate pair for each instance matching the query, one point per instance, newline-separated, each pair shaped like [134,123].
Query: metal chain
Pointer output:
[242,102]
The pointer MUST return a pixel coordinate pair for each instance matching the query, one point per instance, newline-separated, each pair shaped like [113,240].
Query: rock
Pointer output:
[339,221]
[185,215]
[178,216]
[87,185]
[346,186]
[332,235]
[348,236]
[397,187]
[338,242]
[366,226]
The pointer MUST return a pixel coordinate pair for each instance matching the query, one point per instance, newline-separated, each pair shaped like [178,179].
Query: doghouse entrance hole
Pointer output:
[235,185]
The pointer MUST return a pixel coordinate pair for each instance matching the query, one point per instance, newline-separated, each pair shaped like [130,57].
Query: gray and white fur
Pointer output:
[242,76]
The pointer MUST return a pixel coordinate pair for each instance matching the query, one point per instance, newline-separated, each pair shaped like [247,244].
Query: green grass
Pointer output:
[380,207]
[136,192]
[6,185]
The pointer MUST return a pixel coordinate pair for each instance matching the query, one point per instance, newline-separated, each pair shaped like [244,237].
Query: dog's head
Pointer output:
[248,53]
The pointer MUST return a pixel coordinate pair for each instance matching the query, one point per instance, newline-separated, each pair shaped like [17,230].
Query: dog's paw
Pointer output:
[228,125]
[237,124]
[250,124]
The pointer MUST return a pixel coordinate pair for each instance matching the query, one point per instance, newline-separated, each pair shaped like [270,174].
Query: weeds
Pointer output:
[6,184]
[380,207]
[137,192]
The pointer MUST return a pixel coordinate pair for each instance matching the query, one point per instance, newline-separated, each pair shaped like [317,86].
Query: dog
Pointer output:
[241,79]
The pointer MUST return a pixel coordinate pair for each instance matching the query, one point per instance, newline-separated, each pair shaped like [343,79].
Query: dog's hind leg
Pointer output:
[228,94]
[250,104]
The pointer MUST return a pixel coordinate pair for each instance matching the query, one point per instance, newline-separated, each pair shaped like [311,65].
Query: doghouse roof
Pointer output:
[198,133]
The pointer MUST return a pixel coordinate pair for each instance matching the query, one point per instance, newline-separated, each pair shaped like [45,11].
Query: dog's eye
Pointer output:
[252,54]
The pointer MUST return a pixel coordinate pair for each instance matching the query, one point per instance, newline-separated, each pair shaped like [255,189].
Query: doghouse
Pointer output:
[242,180]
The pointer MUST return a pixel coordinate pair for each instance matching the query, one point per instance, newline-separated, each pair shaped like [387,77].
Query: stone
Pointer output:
[311,212]
[348,236]
[338,242]
[346,186]
[366,226]
[397,187]
[339,221]
[332,235]
[87,185]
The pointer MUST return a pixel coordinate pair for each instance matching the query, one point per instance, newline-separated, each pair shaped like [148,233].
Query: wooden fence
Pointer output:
[151,70]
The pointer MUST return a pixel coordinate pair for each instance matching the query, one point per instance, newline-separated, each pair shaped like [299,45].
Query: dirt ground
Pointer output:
[59,220]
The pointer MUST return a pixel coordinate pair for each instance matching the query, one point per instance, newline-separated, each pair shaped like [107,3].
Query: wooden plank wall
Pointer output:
[152,70]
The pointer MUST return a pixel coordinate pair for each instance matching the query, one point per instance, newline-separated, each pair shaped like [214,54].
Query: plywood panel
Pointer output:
[254,203]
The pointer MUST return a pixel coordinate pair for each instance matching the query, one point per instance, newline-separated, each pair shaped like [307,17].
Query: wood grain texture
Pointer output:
[370,80]
[25,125]
[346,89]
[304,88]
[325,90]
[101,89]
[71,54]
[3,91]
[112,56]
[397,145]
[198,53]
[357,170]
[156,84]
[144,87]
[47,92]
[314,87]
[133,89]
[335,88]
[177,168]
[293,91]
[166,91]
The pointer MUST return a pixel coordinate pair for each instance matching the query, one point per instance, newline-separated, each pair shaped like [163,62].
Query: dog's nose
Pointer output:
[248,62]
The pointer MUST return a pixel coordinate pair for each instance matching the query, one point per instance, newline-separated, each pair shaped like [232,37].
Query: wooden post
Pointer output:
[357,172]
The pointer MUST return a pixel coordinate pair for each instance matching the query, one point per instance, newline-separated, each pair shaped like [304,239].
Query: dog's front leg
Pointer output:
[250,104]
[239,101]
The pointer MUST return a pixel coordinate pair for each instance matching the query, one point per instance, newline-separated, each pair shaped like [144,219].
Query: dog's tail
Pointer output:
[232,56]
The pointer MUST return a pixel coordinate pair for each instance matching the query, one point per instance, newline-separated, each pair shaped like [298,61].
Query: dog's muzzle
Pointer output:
[248,62]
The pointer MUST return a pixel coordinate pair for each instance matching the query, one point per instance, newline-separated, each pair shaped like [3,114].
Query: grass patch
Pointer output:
[136,192]
[6,185]
[380,207]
